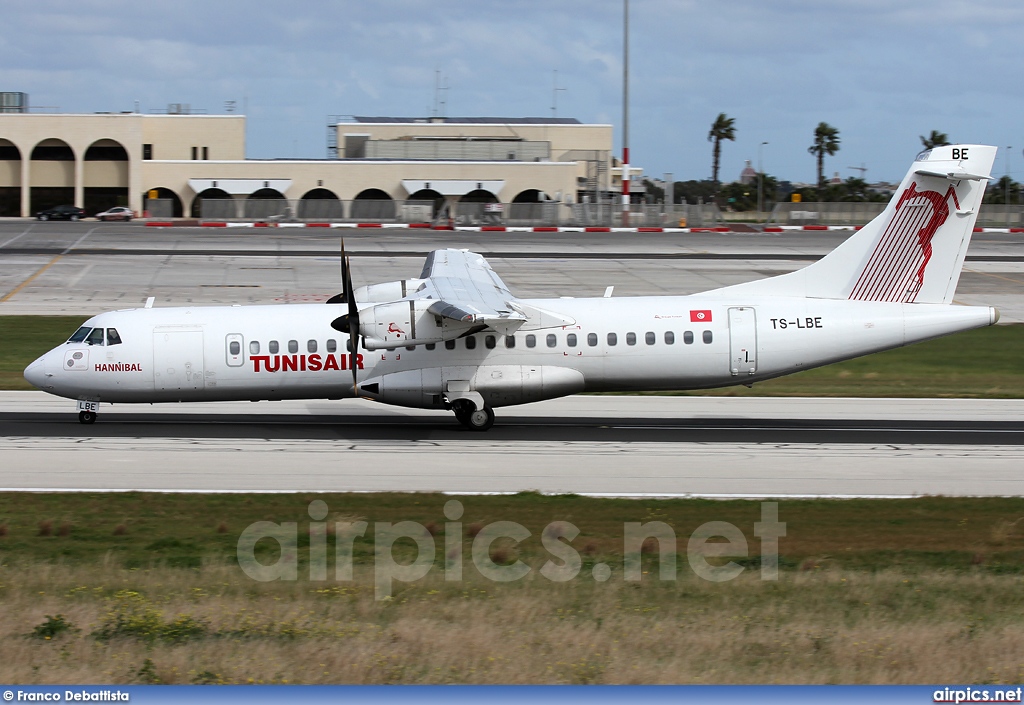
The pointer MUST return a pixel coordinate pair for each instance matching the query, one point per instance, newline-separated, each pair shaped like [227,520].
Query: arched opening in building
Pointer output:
[165,205]
[266,203]
[52,175]
[321,204]
[531,207]
[373,205]
[10,179]
[478,208]
[213,203]
[105,176]
[427,195]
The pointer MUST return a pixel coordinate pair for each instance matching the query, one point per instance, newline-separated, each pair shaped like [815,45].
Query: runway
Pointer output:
[620,446]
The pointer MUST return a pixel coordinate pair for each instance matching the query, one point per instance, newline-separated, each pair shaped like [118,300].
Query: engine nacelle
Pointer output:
[498,385]
[400,323]
[388,291]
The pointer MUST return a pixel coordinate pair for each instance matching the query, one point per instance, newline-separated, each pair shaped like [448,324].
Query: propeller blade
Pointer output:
[352,317]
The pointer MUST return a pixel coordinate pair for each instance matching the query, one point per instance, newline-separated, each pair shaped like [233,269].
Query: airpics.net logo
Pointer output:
[712,549]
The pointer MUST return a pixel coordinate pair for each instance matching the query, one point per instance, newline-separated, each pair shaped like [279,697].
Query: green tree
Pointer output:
[723,128]
[935,139]
[826,141]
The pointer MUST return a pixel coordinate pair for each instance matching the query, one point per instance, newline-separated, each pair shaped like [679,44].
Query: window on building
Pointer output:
[195,153]
[147,151]
[206,153]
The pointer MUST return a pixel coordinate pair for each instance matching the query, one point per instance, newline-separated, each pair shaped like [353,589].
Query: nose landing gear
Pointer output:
[87,417]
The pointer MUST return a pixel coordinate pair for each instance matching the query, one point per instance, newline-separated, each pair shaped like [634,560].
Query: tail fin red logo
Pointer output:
[895,271]
[700,316]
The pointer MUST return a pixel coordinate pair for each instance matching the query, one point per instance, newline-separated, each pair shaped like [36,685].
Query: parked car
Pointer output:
[61,213]
[116,213]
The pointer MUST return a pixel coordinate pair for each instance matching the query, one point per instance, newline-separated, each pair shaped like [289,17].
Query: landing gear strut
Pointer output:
[87,417]
[472,418]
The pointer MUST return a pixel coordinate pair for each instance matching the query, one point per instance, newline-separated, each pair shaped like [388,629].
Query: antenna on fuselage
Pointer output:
[149,302]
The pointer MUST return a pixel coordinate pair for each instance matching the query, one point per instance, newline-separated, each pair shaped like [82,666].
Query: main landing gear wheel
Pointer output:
[87,417]
[475,419]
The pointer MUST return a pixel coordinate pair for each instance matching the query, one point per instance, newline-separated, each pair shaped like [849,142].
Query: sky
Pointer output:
[881,72]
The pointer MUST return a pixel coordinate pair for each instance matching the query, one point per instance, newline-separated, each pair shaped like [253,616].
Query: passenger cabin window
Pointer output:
[471,343]
[592,339]
[449,345]
[510,341]
[552,340]
[311,346]
[293,346]
[707,337]
[670,338]
[649,338]
[613,339]
[430,346]
[234,347]
[112,337]
[254,347]
[570,340]
[630,338]
[410,347]
[531,341]
[274,347]
[490,341]
[79,335]
[688,337]
[96,337]
[332,345]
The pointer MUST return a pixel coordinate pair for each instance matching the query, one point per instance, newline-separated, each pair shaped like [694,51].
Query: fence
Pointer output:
[989,216]
[462,213]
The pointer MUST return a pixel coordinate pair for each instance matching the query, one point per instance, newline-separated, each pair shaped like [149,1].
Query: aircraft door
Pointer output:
[178,360]
[742,341]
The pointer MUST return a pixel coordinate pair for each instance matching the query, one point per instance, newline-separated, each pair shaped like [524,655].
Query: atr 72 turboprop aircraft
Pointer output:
[456,338]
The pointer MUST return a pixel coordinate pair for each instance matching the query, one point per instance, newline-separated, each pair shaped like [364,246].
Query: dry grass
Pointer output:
[816,626]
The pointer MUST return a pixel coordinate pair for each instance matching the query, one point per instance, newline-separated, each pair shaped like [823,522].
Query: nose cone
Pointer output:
[36,374]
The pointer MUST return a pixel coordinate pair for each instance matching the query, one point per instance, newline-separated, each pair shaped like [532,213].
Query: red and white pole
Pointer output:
[625,114]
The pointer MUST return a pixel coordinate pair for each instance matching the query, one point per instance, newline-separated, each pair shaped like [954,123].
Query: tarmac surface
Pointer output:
[624,446]
[596,445]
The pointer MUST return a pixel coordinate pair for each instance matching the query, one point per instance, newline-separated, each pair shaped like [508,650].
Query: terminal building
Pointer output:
[182,164]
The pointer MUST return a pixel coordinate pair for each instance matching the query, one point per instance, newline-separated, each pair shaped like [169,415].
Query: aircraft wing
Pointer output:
[467,290]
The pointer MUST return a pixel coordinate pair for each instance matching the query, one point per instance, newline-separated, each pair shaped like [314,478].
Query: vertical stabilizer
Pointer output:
[914,250]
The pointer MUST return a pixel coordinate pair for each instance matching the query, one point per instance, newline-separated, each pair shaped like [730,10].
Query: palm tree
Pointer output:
[826,141]
[935,139]
[722,129]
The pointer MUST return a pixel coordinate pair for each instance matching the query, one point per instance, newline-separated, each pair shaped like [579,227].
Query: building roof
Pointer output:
[470,120]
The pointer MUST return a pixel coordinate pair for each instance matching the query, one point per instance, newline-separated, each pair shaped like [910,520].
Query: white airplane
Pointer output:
[456,338]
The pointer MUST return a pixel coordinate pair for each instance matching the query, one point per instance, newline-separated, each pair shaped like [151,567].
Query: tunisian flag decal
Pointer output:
[700,316]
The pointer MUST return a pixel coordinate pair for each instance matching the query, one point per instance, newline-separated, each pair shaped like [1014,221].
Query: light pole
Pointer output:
[625,113]
[760,181]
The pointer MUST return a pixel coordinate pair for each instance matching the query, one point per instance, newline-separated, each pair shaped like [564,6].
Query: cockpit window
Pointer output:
[80,334]
[96,337]
[112,337]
